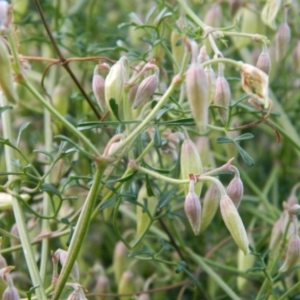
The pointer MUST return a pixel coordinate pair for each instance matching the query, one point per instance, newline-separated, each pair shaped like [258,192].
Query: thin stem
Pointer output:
[59,117]
[18,210]
[80,231]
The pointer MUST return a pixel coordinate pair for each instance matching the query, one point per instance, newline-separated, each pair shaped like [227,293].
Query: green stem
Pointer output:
[18,210]
[200,261]
[80,231]
[59,117]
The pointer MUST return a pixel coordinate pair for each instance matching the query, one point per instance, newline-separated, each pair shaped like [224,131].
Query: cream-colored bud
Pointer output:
[292,255]
[234,223]
[255,82]
[145,90]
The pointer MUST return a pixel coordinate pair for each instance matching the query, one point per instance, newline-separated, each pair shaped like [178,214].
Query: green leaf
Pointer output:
[4,108]
[245,136]
[166,198]
[96,124]
[179,122]
[115,108]
[148,187]
[50,189]
[157,137]
[162,171]
[22,128]
[224,140]
[161,112]
[108,203]
[245,156]
[44,152]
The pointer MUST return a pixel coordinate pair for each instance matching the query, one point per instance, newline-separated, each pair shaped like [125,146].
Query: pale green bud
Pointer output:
[126,285]
[190,163]
[234,223]
[119,260]
[292,255]
[102,287]
[245,262]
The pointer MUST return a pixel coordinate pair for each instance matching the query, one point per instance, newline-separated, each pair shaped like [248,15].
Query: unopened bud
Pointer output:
[234,6]
[5,17]
[115,80]
[202,57]
[126,285]
[295,209]
[102,287]
[192,208]
[145,90]
[270,11]
[213,16]
[235,189]
[222,95]
[292,255]
[211,203]
[98,90]
[6,76]
[276,234]
[190,163]
[245,262]
[62,257]
[11,293]
[113,147]
[119,261]
[197,91]
[283,37]
[234,223]
[255,82]
[211,79]
[264,61]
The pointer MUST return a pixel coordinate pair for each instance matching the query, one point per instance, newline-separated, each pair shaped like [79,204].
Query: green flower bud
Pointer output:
[192,208]
[119,260]
[245,262]
[234,223]
[190,163]
[222,95]
[6,76]
[115,80]
[126,285]
[292,255]
[211,203]
[197,91]
[145,90]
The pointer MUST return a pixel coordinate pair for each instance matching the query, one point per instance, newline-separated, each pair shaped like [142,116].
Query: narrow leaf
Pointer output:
[224,140]
[115,108]
[245,156]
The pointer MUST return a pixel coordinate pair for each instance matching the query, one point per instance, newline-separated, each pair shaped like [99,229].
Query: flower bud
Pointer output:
[5,17]
[119,261]
[190,163]
[10,293]
[211,79]
[282,38]
[197,91]
[213,16]
[102,287]
[234,223]
[292,255]
[222,95]
[6,76]
[62,257]
[192,208]
[177,47]
[145,90]
[270,11]
[264,61]
[202,56]
[245,262]
[235,190]
[98,90]
[211,203]
[256,83]
[126,285]
[115,80]
[276,234]
[294,210]
[234,6]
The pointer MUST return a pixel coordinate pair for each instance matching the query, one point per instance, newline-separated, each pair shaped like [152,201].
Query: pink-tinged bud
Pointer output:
[222,95]
[102,287]
[197,91]
[294,209]
[213,16]
[255,82]
[211,203]
[235,189]
[62,257]
[10,293]
[282,38]
[77,294]
[5,17]
[234,6]
[270,11]
[264,60]
[190,163]
[119,260]
[234,223]
[144,297]
[115,80]
[292,255]
[202,57]
[6,75]
[3,263]
[126,285]
[145,90]
[192,208]
[98,90]
[211,79]
[276,234]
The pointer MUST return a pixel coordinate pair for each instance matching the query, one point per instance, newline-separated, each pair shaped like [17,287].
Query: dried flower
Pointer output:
[197,91]
[234,223]
[192,208]
[256,83]
[292,255]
